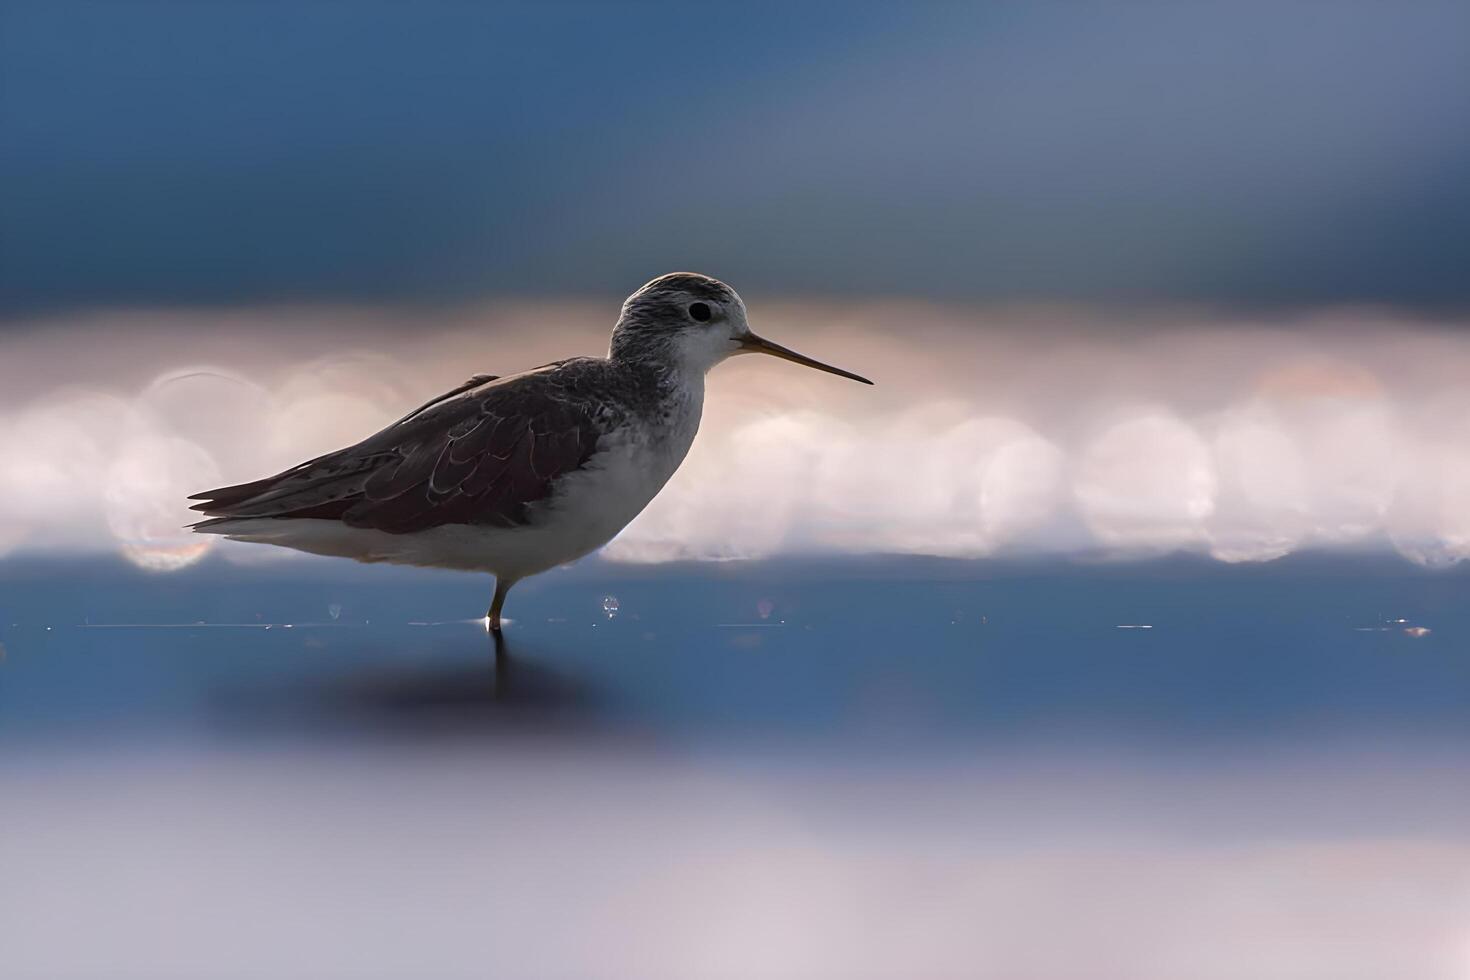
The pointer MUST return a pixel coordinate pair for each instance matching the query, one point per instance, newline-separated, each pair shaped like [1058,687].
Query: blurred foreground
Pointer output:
[884,768]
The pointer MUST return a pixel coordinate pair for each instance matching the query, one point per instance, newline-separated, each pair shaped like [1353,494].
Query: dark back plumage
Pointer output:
[482,454]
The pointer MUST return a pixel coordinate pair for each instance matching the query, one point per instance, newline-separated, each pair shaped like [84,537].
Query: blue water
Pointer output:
[829,769]
[949,654]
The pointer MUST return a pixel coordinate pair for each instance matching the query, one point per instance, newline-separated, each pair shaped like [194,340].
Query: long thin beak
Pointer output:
[751,344]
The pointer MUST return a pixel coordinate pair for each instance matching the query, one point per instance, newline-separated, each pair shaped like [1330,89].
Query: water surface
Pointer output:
[873,768]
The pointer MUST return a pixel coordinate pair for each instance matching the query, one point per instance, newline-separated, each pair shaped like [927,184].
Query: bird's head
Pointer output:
[692,322]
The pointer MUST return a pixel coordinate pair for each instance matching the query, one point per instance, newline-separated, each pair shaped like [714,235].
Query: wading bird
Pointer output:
[519,474]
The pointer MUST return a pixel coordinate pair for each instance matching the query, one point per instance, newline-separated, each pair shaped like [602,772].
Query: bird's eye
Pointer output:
[700,311]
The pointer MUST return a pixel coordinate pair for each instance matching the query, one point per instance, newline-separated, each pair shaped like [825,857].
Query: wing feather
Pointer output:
[478,457]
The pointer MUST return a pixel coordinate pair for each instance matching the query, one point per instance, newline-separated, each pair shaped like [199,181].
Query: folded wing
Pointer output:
[481,454]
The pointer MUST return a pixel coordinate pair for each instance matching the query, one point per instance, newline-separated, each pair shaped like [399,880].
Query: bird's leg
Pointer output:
[502,586]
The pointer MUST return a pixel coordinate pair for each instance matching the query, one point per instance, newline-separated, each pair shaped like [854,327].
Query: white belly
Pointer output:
[592,505]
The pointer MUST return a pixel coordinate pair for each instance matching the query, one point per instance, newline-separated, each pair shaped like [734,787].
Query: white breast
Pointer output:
[593,504]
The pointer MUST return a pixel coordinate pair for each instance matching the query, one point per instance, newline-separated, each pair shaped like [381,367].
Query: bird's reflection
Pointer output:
[502,663]
[437,691]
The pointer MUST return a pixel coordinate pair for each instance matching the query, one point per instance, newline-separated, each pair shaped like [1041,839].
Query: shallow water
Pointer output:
[872,768]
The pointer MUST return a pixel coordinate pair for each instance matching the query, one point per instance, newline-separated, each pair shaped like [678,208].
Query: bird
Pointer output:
[519,474]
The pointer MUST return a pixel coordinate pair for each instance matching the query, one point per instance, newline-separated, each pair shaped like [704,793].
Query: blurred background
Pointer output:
[1118,632]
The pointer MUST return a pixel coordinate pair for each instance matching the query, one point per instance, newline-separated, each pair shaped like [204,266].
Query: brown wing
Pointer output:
[484,458]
